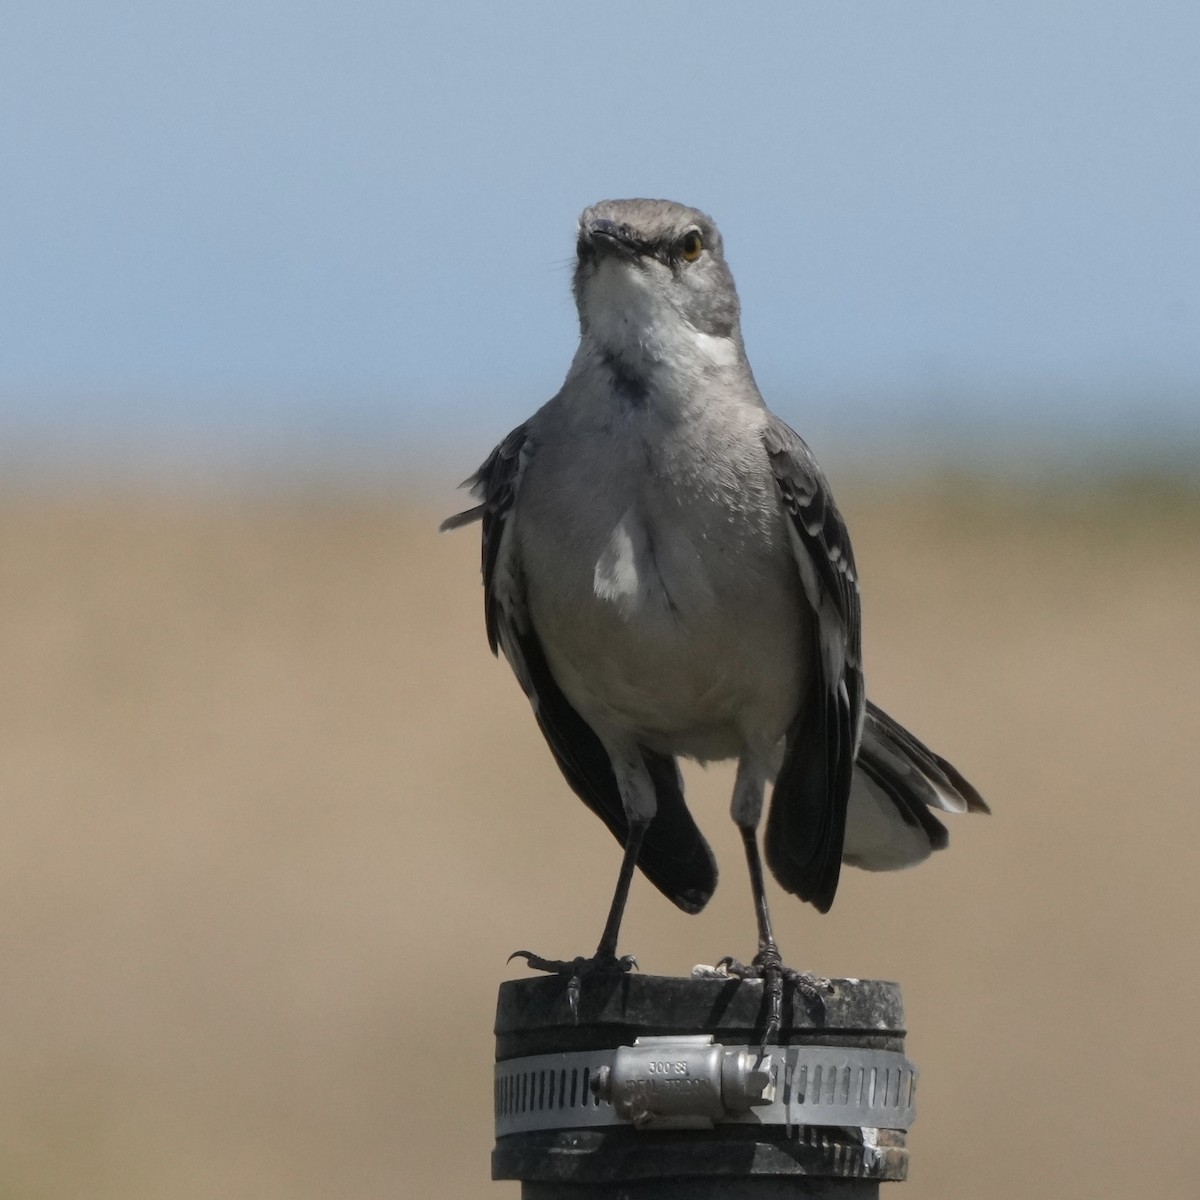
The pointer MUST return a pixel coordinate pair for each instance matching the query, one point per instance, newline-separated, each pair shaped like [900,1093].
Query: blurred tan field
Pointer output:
[273,818]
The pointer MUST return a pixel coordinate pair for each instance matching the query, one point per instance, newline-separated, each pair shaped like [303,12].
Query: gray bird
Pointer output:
[667,574]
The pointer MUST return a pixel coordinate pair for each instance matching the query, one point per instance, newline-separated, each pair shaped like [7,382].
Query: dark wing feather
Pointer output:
[674,855]
[495,483]
[807,822]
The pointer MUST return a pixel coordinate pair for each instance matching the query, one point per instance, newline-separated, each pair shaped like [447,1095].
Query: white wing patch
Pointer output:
[616,577]
[719,351]
[628,574]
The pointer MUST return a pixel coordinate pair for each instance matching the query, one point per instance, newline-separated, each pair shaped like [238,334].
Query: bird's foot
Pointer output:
[577,970]
[768,966]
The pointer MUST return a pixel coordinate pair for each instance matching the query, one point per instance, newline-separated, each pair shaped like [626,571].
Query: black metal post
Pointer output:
[698,1109]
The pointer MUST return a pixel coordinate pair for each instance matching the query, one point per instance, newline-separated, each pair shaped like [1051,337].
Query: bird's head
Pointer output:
[651,283]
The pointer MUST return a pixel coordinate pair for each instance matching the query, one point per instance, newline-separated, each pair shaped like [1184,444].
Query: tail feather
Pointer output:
[897,781]
[893,749]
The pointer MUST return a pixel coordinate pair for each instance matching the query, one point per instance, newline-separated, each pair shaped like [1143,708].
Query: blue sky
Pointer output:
[264,229]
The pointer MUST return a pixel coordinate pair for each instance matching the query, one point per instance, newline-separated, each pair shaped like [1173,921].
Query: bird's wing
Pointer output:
[495,484]
[674,855]
[807,822]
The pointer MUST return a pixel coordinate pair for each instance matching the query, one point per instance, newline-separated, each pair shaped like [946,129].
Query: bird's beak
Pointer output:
[604,236]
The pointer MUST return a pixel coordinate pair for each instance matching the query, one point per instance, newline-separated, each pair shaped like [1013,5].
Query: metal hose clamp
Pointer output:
[693,1082]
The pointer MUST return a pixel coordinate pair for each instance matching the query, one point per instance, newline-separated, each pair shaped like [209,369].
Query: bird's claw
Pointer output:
[768,966]
[577,969]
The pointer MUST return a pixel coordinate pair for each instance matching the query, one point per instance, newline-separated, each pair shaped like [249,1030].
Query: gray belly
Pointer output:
[687,635]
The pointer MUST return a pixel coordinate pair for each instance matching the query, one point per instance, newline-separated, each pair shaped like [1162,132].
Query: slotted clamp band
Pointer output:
[692,1082]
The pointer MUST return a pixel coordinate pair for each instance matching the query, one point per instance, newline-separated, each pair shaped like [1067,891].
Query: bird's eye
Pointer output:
[690,246]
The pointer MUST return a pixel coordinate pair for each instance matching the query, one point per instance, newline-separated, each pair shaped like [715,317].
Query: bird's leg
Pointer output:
[746,810]
[766,935]
[605,960]
[768,962]
[612,927]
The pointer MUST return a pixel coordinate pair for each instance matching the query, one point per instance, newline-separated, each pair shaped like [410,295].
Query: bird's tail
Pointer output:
[897,781]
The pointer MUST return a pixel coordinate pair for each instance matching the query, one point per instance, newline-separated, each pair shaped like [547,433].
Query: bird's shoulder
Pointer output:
[494,483]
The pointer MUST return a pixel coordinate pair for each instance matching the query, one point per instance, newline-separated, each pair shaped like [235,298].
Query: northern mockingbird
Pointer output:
[667,574]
